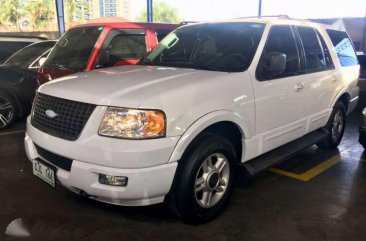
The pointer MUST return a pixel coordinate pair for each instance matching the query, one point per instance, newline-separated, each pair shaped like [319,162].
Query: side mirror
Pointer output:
[41,61]
[275,63]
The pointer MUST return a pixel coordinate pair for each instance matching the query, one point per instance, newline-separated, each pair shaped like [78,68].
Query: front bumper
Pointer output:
[146,184]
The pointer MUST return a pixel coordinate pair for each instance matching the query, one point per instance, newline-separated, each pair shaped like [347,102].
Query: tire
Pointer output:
[8,112]
[204,179]
[335,127]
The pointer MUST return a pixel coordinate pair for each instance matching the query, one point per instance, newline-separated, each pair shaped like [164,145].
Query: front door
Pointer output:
[280,96]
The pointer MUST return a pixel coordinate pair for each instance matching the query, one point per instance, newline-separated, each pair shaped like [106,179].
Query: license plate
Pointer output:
[46,173]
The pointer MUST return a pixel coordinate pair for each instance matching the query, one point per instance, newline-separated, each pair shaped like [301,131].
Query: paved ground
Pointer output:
[270,206]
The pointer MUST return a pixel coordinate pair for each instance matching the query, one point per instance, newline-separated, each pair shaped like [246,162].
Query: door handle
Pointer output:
[299,86]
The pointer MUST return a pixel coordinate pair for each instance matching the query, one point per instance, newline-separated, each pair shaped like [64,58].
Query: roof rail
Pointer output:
[270,16]
[187,22]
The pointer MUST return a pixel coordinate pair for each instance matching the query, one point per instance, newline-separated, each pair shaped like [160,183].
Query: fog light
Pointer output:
[113,180]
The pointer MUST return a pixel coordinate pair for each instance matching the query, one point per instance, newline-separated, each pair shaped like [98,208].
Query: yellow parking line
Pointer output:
[11,132]
[309,174]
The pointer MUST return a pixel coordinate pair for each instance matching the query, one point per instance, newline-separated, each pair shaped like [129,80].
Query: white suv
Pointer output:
[211,96]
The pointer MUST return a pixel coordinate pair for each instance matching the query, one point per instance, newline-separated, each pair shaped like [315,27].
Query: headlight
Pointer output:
[133,124]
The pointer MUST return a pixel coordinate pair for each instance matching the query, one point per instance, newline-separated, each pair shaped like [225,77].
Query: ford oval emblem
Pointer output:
[51,114]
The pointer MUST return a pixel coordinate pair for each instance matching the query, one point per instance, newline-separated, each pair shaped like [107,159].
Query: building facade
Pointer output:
[83,10]
[111,8]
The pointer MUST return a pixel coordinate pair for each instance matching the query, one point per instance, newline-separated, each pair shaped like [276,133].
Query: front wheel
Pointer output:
[7,110]
[335,127]
[204,179]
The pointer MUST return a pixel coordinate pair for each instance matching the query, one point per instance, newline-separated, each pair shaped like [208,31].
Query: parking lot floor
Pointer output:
[328,205]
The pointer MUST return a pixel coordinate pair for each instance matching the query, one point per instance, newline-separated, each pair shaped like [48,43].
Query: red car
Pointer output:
[99,45]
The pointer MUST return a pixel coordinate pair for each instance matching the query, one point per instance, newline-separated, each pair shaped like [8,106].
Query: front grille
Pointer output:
[71,116]
[58,161]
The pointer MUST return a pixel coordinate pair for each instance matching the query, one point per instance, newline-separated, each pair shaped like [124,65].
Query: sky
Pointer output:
[201,10]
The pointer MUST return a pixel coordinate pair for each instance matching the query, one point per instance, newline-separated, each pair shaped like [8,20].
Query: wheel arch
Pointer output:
[225,123]
[344,97]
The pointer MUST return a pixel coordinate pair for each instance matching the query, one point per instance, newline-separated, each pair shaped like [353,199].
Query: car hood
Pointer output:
[126,86]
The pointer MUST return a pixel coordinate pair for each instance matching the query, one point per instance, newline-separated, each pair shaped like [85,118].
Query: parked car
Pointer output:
[100,45]
[362,62]
[18,81]
[211,96]
[10,44]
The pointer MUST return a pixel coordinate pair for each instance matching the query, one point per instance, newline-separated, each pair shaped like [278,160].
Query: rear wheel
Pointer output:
[335,127]
[204,179]
[7,110]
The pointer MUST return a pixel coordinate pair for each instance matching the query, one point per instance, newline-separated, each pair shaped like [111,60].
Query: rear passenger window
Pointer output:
[280,41]
[315,58]
[344,47]
[328,59]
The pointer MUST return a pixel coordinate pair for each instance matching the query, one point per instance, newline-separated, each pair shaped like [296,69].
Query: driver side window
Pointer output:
[280,42]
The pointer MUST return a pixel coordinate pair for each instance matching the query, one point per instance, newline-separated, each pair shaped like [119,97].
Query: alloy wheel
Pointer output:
[212,180]
[6,112]
[337,125]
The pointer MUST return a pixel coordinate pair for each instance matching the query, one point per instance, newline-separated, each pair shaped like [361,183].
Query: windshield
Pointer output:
[29,54]
[228,47]
[73,50]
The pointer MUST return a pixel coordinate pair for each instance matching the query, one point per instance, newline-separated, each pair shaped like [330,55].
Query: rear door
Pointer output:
[319,73]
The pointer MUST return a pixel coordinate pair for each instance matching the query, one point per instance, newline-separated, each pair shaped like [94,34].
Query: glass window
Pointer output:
[343,46]
[228,47]
[328,59]
[315,59]
[30,53]
[8,48]
[280,41]
[126,46]
[73,50]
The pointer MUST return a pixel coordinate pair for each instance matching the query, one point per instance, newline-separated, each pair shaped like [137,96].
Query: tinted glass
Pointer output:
[8,48]
[124,47]
[228,47]
[328,60]
[315,59]
[343,46]
[30,53]
[161,33]
[280,41]
[73,50]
